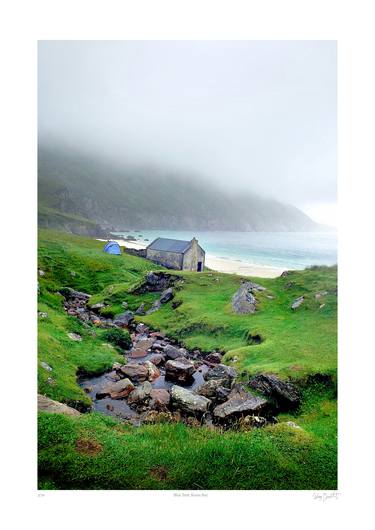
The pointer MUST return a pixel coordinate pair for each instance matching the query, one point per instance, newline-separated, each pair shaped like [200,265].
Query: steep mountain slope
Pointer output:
[115,197]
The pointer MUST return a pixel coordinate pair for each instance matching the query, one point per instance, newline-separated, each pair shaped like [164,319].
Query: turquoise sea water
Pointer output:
[291,250]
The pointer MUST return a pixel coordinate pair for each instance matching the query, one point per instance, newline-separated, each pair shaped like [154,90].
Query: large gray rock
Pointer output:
[69,293]
[214,357]
[223,372]
[140,310]
[142,328]
[124,319]
[239,403]
[97,306]
[141,394]
[188,401]
[171,352]
[158,281]
[155,307]
[135,372]
[46,366]
[283,393]
[243,301]
[75,337]
[214,389]
[166,295]
[180,370]
[46,404]
[297,302]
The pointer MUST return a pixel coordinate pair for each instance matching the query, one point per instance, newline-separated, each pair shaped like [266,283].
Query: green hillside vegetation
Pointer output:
[94,451]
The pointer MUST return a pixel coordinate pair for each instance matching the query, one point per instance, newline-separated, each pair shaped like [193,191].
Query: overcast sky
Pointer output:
[254,115]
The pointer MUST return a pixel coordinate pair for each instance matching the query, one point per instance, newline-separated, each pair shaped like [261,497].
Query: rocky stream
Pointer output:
[162,381]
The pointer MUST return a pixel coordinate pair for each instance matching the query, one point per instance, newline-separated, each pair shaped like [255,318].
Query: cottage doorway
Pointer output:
[199,268]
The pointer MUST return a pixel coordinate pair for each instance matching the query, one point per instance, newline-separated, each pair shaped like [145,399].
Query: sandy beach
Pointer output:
[227,265]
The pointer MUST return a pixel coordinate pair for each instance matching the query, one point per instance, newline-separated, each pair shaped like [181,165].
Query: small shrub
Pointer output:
[119,337]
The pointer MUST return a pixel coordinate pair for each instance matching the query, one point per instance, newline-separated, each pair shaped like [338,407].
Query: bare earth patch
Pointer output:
[159,472]
[88,447]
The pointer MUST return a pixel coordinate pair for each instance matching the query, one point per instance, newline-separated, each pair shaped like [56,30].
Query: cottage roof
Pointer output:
[170,245]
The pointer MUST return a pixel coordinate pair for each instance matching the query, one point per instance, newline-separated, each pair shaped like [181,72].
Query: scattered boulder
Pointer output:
[114,376]
[255,287]
[75,337]
[188,401]
[166,295]
[320,294]
[292,424]
[297,302]
[157,281]
[41,272]
[240,403]
[157,359]
[214,357]
[45,404]
[124,319]
[171,352]
[160,399]
[116,390]
[283,393]
[137,353]
[222,393]
[141,309]
[152,372]
[145,344]
[142,328]
[141,394]
[135,372]
[155,307]
[210,389]
[180,370]
[223,372]
[69,293]
[97,306]
[46,366]
[152,279]
[42,314]
[243,301]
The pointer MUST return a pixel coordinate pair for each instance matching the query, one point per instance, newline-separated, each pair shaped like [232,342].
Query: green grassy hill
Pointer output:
[299,344]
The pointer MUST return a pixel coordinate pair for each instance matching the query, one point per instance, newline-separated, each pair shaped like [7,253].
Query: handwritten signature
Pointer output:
[324,496]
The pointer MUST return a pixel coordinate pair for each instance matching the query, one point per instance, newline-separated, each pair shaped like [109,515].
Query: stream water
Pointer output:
[119,407]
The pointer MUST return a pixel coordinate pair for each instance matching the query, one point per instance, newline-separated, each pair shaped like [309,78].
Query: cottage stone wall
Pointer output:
[171,260]
[192,257]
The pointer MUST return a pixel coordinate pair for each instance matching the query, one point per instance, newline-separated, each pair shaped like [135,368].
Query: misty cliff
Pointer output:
[82,194]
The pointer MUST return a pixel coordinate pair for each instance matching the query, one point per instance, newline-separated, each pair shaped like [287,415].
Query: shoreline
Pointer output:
[220,264]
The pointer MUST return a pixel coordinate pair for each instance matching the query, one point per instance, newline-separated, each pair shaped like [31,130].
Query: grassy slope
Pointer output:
[60,255]
[295,343]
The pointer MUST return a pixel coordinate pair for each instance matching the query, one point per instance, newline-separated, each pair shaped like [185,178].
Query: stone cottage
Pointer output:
[177,254]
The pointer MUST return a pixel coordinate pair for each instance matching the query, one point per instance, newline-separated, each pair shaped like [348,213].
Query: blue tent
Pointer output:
[111,247]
